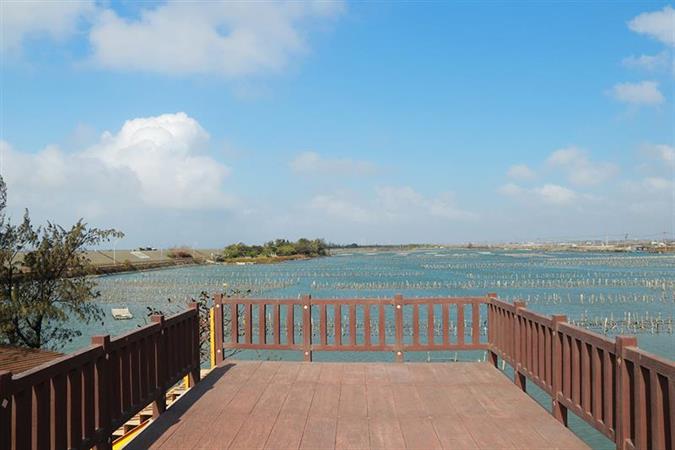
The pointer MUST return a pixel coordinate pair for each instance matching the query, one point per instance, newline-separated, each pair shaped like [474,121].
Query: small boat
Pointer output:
[121,313]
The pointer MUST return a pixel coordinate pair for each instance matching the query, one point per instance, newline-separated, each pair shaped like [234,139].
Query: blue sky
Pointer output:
[203,124]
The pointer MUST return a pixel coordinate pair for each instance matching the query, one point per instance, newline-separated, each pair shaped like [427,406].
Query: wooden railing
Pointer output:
[77,401]
[623,392]
[309,325]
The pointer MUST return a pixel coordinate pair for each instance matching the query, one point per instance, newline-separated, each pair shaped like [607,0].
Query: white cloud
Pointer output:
[641,93]
[401,201]
[659,25]
[390,204]
[520,172]
[312,163]
[579,168]
[21,20]
[555,194]
[229,39]
[657,184]
[510,190]
[340,208]
[665,153]
[551,194]
[651,63]
[152,162]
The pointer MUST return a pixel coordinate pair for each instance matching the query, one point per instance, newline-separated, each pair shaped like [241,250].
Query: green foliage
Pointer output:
[43,280]
[204,303]
[278,247]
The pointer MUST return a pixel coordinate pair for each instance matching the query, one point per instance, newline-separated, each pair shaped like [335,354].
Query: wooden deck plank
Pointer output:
[326,401]
[385,433]
[298,400]
[287,432]
[380,401]
[353,402]
[452,434]
[352,433]
[319,433]
[407,401]
[419,432]
[291,405]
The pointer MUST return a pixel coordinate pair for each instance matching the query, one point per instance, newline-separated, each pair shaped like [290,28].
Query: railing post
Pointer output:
[5,409]
[159,405]
[194,375]
[217,329]
[102,390]
[518,378]
[494,358]
[559,411]
[307,327]
[623,406]
[398,324]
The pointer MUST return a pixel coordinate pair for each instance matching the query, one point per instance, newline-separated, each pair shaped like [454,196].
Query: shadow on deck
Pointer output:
[284,405]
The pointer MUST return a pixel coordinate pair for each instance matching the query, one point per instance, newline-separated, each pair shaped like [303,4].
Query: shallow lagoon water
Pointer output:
[591,285]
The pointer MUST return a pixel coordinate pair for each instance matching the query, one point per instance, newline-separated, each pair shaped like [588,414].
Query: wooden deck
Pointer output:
[284,405]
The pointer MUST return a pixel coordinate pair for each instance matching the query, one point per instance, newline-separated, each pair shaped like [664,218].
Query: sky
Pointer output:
[203,124]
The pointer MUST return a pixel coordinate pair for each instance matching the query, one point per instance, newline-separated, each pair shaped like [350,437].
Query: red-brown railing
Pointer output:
[309,325]
[77,401]
[625,393]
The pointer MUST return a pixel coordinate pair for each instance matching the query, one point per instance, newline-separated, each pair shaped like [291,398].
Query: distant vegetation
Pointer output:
[279,248]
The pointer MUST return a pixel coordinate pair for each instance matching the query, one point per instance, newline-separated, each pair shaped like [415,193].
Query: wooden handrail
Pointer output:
[623,392]
[620,390]
[310,325]
[77,401]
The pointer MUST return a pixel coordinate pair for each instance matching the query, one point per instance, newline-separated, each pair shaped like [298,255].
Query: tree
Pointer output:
[44,282]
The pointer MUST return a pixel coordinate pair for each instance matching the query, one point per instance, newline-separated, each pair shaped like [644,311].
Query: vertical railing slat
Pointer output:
[59,400]
[382,326]
[596,384]
[352,324]
[337,322]
[366,325]
[445,311]
[248,326]
[262,327]
[323,329]
[74,408]
[586,381]
[657,413]
[416,325]
[460,323]
[475,322]
[639,407]
[430,325]
[6,388]
[276,324]
[41,417]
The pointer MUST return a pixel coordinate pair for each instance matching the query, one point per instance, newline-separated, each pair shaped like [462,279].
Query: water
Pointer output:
[583,286]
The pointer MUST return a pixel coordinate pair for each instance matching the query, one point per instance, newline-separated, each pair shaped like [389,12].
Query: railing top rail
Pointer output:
[650,360]
[591,337]
[536,317]
[133,335]
[503,304]
[55,367]
[180,316]
[442,300]
[364,301]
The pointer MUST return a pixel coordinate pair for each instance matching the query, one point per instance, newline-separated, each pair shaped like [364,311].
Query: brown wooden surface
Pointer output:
[78,400]
[272,404]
